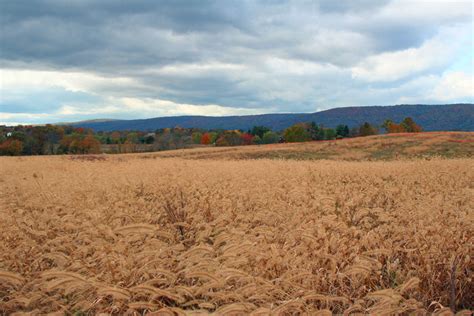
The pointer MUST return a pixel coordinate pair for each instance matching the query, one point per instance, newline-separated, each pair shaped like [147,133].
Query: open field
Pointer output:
[379,147]
[223,233]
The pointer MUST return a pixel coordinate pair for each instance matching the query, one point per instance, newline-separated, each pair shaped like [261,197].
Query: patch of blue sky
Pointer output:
[43,100]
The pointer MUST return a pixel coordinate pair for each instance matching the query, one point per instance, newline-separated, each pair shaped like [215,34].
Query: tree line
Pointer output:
[61,139]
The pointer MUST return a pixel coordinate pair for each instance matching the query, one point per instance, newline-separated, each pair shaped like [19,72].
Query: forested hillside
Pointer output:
[448,117]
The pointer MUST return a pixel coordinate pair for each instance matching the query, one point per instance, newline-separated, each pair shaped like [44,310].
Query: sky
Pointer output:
[65,61]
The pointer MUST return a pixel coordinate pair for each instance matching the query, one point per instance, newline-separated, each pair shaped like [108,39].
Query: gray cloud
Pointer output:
[281,55]
[110,33]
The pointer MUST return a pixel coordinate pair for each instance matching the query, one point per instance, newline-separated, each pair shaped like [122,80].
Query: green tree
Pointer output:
[213,136]
[342,130]
[330,134]
[197,137]
[321,134]
[366,130]
[149,139]
[297,133]
[259,131]
[314,130]
[256,140]
[270,138]
[410,126]
[386,125]
[132,138]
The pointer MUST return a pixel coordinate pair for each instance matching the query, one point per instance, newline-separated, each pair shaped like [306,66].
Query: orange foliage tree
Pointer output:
[89,145]
[205,139]
[12,147]
[395,128]
[408,125]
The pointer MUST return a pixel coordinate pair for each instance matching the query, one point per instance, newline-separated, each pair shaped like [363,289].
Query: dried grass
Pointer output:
[175,236]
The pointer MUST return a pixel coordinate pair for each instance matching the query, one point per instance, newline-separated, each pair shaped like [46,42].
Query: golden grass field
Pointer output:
[223,233]
[379,147]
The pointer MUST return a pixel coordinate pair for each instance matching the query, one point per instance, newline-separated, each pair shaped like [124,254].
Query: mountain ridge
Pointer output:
[443,117]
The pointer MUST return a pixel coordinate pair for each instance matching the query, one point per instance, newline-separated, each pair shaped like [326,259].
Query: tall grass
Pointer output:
[127,235]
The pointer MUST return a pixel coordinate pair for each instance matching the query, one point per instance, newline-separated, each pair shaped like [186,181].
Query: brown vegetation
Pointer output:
[379,147]
[123,234]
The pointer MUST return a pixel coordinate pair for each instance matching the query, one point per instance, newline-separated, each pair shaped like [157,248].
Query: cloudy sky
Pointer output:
[82,59]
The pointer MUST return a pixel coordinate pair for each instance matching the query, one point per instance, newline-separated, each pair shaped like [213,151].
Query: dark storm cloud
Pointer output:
[109,33]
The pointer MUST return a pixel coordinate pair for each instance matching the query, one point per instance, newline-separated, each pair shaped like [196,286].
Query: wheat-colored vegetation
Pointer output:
[126,235]
[378,147]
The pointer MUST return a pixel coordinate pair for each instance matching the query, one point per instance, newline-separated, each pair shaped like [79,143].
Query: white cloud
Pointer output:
[435,53]
[69,110]
[426,11]
[334,46]
[71,81]
[21,117]
[454,86]
[194,69]
[123,107]
[283,66]
[168,108]
[11,123]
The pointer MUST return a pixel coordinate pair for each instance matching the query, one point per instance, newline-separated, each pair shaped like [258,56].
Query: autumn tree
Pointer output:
[386,125]
[366,130]
[396,128]
[115,137]
[229,138]
[69,144]
[89,145]
[410,126]
[391,127]
[164,140]
[11,147]
[205,139]
[246,138]
[297,133]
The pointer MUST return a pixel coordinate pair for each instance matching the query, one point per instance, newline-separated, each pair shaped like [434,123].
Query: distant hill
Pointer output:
[447,117]
[85,122]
